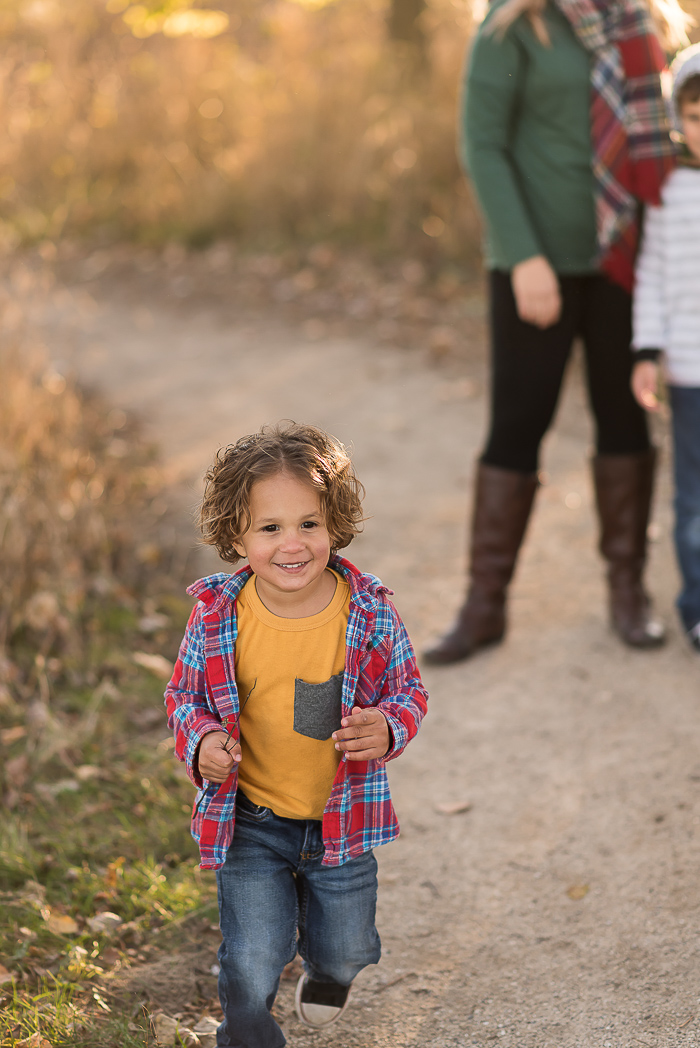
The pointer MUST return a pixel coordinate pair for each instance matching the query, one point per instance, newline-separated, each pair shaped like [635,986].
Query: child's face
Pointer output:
[287,543]
[690,122]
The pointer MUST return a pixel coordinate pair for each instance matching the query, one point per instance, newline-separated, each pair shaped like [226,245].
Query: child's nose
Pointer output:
[291,540]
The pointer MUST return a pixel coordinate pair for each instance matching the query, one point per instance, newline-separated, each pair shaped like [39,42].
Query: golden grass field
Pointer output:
[266,122]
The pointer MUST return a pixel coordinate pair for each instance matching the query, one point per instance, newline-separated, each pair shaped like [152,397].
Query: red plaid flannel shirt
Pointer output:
[380,670]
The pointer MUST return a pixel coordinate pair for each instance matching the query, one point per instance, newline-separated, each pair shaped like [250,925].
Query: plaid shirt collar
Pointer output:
[216,591]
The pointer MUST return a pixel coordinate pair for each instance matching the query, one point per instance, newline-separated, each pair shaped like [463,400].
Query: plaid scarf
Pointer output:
[632,150]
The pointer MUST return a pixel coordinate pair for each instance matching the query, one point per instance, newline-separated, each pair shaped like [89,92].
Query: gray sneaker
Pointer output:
[320,1004]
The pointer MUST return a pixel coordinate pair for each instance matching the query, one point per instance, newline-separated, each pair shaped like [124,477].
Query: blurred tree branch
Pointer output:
[405,22]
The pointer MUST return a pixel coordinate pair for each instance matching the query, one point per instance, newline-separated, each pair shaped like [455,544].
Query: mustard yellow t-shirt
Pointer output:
[292,669]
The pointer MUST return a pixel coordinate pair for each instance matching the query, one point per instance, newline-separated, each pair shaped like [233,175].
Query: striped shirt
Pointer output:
[667,293]
[380,671]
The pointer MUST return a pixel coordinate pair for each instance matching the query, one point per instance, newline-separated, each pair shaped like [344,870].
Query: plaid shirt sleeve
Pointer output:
[403,699]
[190,714]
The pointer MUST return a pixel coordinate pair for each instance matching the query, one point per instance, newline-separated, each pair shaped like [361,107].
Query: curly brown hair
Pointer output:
[301,451]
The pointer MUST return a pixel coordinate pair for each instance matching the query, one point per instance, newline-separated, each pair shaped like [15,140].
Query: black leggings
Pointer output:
[528,367]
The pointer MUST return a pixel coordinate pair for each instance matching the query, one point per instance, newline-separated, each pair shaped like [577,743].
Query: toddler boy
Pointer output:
[667,319]
[295,683]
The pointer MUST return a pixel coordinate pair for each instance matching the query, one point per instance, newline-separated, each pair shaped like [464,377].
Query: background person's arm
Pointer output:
[492,92]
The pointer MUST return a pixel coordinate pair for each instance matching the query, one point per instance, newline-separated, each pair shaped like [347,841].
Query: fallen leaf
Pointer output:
[61,924]
[578,891]
[52,789]
[35,1041]
[104,922]
[5,975]
[156,664]
[114,871]
[165,1029]
[16,770]
[189,1038]
[86,771]
[9,735]
[453,807]
[207,1025]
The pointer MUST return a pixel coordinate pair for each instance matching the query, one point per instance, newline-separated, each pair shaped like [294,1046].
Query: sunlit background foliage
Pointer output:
[262,120]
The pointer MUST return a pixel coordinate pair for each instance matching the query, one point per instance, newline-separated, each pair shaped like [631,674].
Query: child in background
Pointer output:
[667,319]
[295,684]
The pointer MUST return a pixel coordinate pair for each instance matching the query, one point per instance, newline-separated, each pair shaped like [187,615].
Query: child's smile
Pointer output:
[288,546]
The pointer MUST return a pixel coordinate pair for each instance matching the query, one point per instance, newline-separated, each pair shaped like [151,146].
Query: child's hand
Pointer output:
[216,763]
[364,735]
[645,383]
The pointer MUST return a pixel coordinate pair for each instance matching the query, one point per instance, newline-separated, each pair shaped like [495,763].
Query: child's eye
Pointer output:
[269,529]
[308,524]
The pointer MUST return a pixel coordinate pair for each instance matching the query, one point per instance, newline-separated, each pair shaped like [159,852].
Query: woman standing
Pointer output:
[564,136]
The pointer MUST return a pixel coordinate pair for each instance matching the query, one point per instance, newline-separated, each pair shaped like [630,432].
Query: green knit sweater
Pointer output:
[526,144]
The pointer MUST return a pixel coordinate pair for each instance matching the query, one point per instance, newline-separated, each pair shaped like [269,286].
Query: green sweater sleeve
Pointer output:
[492,88]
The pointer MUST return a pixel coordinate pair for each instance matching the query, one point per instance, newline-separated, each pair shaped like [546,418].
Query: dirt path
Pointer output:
[562,910]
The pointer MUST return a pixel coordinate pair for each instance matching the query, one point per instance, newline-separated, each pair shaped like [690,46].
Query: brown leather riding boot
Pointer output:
[502,503]
[623,487]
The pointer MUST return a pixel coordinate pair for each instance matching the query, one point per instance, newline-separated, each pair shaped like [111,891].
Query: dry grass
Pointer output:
[86,541]
[72,483]
[94,812]
[298,121]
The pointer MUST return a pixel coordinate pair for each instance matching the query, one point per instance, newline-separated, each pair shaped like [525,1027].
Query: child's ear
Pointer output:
[240,549]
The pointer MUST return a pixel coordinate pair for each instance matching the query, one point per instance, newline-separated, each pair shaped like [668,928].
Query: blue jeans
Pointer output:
[275,898]
[685,402]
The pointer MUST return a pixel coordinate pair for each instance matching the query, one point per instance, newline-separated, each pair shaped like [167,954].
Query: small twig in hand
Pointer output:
[232,728]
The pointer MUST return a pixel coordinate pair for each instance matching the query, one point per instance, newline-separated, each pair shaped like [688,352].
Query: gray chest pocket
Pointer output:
[318,707]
